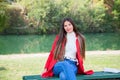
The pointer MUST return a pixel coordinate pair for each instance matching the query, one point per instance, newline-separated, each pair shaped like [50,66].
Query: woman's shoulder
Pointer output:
[56,37]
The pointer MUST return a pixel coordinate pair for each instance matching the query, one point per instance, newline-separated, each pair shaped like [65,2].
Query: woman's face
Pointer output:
[68,27]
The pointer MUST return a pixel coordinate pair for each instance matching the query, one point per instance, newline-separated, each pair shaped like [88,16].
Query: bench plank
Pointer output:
[96,75]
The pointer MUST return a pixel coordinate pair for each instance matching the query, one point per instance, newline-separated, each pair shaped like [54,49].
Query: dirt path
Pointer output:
[46,54]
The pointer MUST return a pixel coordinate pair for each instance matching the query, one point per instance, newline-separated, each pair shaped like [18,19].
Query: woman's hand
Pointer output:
[44,71]
[43,75]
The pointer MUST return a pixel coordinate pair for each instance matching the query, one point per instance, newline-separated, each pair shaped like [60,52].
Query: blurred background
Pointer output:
[29,26]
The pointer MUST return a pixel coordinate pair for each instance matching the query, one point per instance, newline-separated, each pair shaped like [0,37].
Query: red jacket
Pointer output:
[51,61]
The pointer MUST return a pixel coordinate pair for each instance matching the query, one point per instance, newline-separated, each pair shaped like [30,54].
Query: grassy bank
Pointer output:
[10,44]
[14,67]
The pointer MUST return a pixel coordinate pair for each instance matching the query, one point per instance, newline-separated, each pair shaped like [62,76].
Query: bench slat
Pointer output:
[96,75]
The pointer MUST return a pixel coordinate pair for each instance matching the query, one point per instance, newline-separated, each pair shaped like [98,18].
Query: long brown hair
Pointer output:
[60,49]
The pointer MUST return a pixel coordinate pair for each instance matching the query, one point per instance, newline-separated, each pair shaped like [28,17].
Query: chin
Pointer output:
[70,31]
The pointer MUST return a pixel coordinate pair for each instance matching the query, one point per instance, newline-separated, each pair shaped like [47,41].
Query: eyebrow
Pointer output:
[65,25]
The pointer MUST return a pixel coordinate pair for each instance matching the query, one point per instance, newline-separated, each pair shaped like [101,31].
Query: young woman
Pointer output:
[67,54]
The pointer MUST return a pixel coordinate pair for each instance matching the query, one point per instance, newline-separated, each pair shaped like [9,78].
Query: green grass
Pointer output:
[13,44]
[99,61]
[13,68]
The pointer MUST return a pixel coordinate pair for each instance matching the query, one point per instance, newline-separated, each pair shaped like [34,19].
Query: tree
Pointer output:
[4,16]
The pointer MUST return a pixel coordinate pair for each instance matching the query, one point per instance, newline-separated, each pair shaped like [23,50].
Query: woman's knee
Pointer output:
[58,67]
[62,76]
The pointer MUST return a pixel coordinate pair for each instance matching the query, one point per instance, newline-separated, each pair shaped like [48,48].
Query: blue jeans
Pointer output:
[66,70]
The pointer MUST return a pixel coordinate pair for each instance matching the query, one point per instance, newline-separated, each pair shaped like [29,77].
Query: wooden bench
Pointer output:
[97,75]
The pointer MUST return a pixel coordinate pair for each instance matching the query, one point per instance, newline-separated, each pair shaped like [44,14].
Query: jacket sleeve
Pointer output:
[80,61]
[51,55]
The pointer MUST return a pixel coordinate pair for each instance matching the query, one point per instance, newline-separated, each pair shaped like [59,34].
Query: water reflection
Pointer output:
[11,44]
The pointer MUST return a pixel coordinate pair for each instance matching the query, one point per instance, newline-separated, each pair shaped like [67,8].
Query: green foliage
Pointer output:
[45,16]
[48,14]
[3,0]
[116,13]
[111,21]
[15,17]
[4,16]
[89,17]
[11,19]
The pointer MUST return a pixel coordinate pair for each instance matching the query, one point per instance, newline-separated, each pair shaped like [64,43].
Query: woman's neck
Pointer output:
[71,33]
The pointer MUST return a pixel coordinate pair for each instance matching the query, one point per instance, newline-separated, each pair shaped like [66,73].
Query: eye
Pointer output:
[69,24]
[65,25]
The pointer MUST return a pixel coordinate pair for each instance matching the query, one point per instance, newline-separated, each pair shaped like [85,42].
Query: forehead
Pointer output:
[67,22]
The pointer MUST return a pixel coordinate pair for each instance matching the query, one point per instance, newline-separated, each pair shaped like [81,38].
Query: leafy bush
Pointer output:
[49,13]
[116,13]
[4,16]
[45,16]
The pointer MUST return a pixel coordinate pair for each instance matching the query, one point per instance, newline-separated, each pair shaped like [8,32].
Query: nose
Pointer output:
[68,26]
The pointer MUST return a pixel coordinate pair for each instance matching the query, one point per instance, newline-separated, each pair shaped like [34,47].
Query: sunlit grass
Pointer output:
[99,61]
[15,68]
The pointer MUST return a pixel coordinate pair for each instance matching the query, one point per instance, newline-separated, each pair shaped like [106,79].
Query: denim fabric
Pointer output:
[66,69]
